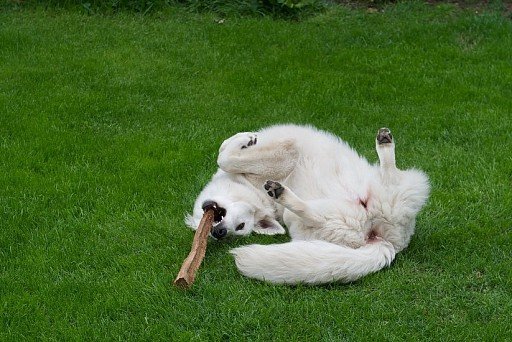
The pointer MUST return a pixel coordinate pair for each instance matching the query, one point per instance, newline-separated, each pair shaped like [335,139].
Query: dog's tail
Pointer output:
[312,262]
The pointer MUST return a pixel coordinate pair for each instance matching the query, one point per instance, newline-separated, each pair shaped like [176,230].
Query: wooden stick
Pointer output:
[188,270]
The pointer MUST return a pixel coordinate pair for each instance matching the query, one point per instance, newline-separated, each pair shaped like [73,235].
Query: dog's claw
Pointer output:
[275,189]
[384,136]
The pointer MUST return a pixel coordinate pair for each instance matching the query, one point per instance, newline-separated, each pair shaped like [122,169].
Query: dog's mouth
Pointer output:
[218,212]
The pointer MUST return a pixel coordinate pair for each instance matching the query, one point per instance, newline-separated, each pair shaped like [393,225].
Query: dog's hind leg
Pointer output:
[247,153]
[287,198]
[385,146]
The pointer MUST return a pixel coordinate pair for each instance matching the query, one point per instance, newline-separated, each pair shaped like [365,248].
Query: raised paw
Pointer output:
[253,139]
[384,136]
[239,141]
[274,189]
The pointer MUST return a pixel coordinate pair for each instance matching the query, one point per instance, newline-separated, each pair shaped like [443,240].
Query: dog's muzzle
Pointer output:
[218,231]
[219,212]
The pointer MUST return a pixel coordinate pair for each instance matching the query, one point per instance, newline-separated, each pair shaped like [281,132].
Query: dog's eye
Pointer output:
[240,226]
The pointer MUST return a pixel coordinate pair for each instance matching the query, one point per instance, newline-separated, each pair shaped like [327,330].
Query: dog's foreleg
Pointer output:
[287,198]
[385,146]
[245,153]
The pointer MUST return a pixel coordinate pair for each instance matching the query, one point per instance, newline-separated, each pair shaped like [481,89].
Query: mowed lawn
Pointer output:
[110,126]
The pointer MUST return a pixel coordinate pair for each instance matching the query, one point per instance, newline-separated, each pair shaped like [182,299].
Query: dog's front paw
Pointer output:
[274,189]
[253,139]
[384,136]
[239,141]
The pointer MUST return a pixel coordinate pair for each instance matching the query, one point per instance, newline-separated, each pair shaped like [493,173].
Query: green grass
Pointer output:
[110,125]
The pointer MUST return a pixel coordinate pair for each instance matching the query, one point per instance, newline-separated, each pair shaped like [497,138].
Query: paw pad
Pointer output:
[274,189]
[384,136]
[253,139]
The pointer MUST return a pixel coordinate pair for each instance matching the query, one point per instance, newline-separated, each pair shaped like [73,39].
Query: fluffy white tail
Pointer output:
[312,262]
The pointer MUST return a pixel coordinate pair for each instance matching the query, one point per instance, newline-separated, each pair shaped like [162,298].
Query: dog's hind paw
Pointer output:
[384,136]
[274,189]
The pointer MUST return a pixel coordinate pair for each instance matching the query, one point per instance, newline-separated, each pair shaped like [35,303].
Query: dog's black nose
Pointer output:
[219,233]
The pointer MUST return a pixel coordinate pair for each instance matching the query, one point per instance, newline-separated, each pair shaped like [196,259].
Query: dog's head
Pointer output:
[236,218]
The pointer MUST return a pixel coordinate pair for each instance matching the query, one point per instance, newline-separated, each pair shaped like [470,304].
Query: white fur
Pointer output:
[347,218]
[311,262]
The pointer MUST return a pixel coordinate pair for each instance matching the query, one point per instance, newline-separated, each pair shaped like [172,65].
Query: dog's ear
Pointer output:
[269,226]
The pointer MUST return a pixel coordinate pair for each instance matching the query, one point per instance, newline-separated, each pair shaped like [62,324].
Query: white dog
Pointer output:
[346,218]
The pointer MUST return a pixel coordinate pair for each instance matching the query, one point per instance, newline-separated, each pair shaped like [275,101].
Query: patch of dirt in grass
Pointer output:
[479,6]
